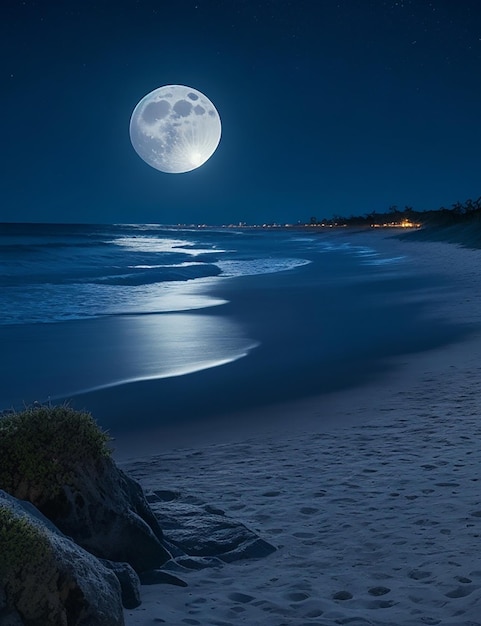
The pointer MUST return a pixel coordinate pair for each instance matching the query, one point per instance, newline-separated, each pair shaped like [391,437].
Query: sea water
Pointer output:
[52,273]
[91,307]
[142,285]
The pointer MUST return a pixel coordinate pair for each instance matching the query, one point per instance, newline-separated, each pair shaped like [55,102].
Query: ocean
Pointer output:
[215,318]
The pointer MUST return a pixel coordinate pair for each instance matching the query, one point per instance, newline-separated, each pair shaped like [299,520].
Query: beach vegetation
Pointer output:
[23,544]
[42,446]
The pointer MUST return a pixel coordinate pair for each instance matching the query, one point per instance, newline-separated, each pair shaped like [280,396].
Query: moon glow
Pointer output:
[175,129]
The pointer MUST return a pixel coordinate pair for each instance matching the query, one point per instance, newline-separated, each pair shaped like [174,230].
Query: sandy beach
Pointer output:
[240,313]
[375,514]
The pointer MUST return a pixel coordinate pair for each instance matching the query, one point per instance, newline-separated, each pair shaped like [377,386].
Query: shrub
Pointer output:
[22,544]
[41,447]
[29,574]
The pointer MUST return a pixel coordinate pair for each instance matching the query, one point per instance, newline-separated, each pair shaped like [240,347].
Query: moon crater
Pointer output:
[183,108]
[156,111]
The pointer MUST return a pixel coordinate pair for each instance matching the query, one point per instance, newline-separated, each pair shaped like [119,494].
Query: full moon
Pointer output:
[175,129]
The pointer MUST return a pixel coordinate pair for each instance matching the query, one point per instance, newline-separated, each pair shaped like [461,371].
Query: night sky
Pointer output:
[327,107]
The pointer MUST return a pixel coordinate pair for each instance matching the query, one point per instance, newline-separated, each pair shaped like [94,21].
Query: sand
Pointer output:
[376,521]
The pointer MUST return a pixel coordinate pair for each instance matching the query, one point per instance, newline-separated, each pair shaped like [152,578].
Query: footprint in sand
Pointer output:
[240,597]
[307,510]
[313,613]
[378,591]
[381,604]
[297,596]
[417,574]
[342,595]
[447,484]
[460,592]
[463,579]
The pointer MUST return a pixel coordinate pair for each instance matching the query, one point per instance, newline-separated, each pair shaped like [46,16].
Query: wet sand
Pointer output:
[316,336]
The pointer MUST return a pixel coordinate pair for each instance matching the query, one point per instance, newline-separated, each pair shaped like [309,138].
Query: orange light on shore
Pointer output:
[403,224]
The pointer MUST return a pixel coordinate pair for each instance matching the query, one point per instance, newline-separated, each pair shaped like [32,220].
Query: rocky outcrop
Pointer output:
[45,578]
[105,512]
[129,583]
[59,460]
[199,535]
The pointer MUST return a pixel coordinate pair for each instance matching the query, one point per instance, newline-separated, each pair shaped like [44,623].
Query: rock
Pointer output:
[45,578]
[58,459]
[10,618]
[200,530]
[105,511]
[129,583]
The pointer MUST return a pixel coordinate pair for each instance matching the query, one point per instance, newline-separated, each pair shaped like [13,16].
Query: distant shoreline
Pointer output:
[464,232]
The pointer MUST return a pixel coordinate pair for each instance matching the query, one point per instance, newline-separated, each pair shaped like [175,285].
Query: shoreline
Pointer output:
[90,355]
[375,520]
[333,405]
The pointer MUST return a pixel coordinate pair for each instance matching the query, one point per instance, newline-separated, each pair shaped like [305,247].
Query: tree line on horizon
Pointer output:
[459,212]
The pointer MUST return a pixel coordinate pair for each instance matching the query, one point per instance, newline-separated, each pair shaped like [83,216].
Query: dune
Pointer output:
[466,234]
